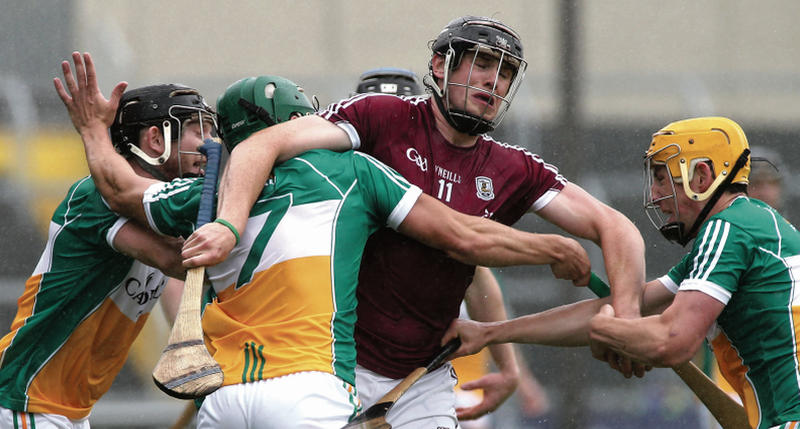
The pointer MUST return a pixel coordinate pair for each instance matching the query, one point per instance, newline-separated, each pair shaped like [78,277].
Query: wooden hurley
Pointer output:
[185,369]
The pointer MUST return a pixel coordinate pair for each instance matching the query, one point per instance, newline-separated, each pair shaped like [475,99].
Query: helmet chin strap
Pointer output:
[674,231]
[152,170]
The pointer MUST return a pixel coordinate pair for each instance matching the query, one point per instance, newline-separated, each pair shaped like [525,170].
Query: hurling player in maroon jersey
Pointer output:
[483,300]
[408,293]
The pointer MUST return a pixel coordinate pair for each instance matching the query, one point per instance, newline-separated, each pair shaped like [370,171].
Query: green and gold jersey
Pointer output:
[80,311]
[748,257]
[286,294]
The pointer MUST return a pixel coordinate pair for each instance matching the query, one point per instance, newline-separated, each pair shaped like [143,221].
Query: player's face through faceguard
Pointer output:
[195,125]
[661,201]
[194,132]
[480,83]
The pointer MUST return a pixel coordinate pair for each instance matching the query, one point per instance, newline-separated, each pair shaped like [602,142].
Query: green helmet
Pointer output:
[254,103]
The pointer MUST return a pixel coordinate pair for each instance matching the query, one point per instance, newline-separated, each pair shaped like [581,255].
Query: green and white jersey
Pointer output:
[286,298]
[748,257]
[80,311]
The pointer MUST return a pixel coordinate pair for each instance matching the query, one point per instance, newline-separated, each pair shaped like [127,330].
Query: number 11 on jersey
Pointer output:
[445,190]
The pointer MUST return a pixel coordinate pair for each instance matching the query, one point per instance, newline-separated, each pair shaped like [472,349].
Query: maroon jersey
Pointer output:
[408,293]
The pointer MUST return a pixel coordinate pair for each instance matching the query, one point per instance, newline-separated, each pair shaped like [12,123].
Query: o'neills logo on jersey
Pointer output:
[416,158]
[485,188]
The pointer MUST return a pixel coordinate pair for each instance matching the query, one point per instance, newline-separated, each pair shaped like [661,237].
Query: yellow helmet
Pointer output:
[682,144]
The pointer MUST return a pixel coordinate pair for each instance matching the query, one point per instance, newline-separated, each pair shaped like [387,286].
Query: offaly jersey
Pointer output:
[409,292]
[748,257]
[286,294]
[79,313]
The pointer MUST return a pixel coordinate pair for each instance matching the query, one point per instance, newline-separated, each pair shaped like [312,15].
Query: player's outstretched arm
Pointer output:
[668,339]
[565,326]
[92,115]
[480,241]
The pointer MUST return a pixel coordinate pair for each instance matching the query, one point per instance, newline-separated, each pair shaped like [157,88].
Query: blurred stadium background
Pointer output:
[602,77]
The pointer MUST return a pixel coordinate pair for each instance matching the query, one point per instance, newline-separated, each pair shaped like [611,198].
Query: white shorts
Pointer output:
[17,419]
[428,404]
[301,400]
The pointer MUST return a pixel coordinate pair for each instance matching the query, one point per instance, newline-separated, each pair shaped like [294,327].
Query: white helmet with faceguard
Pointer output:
[483,36]
[679,147]
[167,106]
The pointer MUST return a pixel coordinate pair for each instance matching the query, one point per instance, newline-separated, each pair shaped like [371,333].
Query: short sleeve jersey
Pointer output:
[286,294]
[409,292]
[748,257]
[81,310]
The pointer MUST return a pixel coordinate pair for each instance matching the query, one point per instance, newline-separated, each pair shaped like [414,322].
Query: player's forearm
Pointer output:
[564,326]
[497,245]
[647,340]
[248,169]
[112,174]
[623,252]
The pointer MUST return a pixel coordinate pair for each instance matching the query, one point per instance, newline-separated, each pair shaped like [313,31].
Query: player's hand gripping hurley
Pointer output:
[186,370]
[725,410]
[375,416]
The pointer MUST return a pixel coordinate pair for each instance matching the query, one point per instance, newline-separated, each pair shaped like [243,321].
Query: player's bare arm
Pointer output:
[249,167]
[484,301]
[480,241]
[577,212]
[668,339]
[563,326]
[150,248]
[92,114]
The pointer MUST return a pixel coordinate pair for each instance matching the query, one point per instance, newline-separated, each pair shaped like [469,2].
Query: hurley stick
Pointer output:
[725,410]
[186,370]
[375,416]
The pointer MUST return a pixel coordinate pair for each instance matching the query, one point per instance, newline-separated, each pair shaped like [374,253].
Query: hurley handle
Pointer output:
[205,212]
[598,286]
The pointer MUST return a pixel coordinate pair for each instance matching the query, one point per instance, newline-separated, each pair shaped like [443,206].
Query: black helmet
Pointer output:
[166,105]
[389,80]
[480,34]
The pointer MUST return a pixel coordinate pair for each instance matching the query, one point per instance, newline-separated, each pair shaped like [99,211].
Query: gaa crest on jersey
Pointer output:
[416,158]
[485,188]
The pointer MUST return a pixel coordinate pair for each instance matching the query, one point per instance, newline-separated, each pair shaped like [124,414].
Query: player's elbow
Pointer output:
[672,352]
[119,203]
[668,357]
[170,263]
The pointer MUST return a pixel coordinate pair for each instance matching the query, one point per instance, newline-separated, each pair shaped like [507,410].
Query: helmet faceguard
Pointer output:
[481,36]
[170,107]
[389,80]
[254,103]
[679,147]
